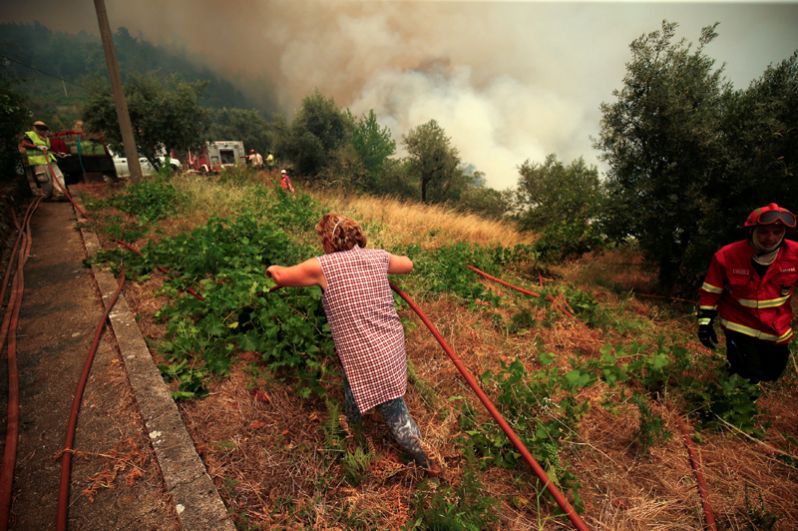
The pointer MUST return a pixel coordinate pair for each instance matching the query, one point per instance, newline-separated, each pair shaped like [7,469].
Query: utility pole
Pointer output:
[119,94]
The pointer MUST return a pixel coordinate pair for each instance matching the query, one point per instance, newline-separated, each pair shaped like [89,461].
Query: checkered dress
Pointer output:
[365,327]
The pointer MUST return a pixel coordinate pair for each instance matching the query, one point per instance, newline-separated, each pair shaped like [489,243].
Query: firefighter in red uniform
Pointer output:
[750,285]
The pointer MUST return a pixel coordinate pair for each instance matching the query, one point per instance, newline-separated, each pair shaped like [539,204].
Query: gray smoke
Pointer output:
[508,81]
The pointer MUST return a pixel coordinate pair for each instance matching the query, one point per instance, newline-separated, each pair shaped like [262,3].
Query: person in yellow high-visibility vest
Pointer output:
[36,145]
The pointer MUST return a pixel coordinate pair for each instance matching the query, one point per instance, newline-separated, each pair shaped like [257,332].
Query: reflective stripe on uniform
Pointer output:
[709,288]
[767,303]
[758,334]
[715,307]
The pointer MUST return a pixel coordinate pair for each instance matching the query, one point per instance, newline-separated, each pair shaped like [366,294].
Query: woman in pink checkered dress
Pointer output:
[366,329]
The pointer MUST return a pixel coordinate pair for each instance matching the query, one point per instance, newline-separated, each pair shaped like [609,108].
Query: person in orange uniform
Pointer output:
[285,181]
[749,286]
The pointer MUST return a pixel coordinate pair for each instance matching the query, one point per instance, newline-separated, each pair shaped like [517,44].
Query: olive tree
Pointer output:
[316,132]
[662,141]
[563,203]
[435,161]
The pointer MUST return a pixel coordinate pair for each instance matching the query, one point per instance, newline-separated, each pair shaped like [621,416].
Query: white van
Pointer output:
[122,170]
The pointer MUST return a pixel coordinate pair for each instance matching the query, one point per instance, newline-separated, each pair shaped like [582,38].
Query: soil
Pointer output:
[116,483]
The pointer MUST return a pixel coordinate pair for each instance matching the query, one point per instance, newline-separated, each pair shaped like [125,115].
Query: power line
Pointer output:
[7,59]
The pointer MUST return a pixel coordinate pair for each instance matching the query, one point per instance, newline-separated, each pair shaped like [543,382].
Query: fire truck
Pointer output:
[216,155]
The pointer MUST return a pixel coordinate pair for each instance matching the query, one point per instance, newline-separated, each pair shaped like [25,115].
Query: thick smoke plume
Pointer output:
[508,81]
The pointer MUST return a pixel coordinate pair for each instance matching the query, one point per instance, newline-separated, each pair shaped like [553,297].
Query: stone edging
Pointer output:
[197,502]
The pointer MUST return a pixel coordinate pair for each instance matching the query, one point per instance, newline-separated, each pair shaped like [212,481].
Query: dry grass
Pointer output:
[402,223]
[265,447]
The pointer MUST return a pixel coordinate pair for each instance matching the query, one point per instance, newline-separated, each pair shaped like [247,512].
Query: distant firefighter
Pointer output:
[41,161]
[255,159]
[285,181]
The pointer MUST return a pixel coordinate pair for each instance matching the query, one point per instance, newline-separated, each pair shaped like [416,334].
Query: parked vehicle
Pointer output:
[216,155]
[147,169]
[79,156]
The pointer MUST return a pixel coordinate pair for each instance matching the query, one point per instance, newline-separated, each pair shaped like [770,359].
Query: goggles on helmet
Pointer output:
[769,215]
[784,217]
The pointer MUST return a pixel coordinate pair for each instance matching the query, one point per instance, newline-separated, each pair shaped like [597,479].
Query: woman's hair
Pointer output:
[339,233]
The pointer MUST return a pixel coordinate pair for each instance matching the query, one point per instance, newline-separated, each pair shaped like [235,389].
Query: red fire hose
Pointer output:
[63,189]
[66,454]
[549,298]
[695,463]
[519,445]
[694,460]
[9,327]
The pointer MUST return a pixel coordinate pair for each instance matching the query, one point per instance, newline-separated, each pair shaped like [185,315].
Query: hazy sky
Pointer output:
[508,81]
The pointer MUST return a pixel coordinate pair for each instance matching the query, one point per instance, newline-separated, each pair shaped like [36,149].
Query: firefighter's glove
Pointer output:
[706,328]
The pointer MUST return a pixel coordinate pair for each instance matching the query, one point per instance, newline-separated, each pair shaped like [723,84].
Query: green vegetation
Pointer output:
[448,507]
[686,152]
[542,408]
[689,157]
[14,119]
[166,113]
[562,203]
[78,58]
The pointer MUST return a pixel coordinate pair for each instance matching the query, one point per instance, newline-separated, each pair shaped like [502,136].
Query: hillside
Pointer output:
[55,68]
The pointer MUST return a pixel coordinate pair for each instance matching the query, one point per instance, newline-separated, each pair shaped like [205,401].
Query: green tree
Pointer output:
[165,115]
[14,120]
[397,180]
[435,161]
[317,130]
[563,202]
[486,202]
[248,125]
[65,63]
[759,162]
[661,140]
[374,145]
[761,137]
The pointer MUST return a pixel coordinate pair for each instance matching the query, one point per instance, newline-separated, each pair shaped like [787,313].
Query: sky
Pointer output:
[508,81]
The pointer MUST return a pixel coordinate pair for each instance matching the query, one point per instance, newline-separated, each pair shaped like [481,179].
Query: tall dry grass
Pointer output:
[387,222]
[391,222]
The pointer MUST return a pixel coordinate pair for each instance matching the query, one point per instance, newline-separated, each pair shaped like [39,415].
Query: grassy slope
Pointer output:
[271,455]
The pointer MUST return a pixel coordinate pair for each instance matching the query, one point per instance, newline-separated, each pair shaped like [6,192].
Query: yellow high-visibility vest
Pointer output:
[35,156]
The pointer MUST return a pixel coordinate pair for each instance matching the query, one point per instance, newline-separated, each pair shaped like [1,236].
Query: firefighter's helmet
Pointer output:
[770,214]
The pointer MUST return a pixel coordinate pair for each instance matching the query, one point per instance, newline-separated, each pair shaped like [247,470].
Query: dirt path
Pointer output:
[116,482]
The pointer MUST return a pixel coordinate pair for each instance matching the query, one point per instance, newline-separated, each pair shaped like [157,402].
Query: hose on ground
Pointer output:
[66,454]
[695,464]
[22,249]
[519,445]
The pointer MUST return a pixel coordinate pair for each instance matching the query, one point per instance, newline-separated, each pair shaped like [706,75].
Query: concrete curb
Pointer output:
[197,502]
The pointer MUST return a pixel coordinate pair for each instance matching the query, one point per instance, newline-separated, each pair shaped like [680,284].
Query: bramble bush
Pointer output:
[464,506]
[543,410]
[444,270]
[225,261]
